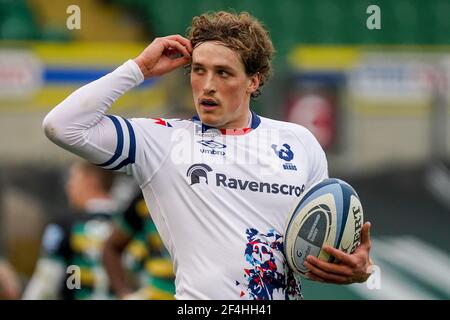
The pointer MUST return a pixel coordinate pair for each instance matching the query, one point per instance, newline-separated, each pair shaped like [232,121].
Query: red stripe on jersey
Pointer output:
[160,121]
[235,132]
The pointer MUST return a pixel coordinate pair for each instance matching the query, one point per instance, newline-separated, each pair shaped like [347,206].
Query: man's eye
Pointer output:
[223,73]
[197,70]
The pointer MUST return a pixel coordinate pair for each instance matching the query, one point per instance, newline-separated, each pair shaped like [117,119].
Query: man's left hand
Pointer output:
[355,267]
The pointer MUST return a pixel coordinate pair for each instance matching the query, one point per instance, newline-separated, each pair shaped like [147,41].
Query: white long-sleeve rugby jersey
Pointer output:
[220,199]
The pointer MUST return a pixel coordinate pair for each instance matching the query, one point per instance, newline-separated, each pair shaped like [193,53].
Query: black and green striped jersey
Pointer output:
[148,248]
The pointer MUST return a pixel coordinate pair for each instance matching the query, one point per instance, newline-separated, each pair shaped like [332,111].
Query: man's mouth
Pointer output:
[208,103]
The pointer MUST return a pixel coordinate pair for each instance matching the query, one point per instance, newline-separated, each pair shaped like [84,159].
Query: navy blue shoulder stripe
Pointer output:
[119,147]
[132,149]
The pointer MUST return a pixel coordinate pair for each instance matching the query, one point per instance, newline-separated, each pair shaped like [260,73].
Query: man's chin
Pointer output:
[210,121]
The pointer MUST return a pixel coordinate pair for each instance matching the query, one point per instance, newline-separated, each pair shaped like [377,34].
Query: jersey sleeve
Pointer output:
[81,125]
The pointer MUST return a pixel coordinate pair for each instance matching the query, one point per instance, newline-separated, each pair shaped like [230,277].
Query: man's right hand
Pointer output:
[164,55]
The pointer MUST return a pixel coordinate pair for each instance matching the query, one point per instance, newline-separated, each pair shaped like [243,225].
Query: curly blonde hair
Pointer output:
[240,32]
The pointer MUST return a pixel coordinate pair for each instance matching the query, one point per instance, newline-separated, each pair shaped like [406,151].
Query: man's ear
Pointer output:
[254,83]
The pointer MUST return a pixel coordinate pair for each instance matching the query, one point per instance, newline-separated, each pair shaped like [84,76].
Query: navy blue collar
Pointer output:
[256,120]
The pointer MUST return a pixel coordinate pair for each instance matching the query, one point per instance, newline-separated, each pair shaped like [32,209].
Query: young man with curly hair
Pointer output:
[219,186]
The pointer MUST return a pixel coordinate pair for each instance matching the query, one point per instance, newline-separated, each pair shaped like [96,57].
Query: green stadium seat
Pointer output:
[313,22]
[17,21]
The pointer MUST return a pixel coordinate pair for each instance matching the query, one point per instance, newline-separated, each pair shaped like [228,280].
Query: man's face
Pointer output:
[220,86]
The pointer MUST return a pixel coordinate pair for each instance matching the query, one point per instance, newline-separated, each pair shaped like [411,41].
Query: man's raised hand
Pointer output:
[164,55]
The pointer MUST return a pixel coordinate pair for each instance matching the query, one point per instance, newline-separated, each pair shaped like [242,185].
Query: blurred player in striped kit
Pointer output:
[135,234]
[77,241]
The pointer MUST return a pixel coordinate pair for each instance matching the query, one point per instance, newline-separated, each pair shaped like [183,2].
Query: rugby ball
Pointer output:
[330,213]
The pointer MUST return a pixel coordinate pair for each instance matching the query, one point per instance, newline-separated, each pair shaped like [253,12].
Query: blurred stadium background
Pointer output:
[377,100]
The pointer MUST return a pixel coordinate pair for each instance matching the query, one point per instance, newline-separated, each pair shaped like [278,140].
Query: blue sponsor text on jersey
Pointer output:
[199,172]
[254,186]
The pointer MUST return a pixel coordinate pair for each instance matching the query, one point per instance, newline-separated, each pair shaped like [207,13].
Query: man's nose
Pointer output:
[209,85]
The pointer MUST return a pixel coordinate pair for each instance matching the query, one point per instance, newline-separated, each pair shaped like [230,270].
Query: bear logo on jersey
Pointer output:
[284,154]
